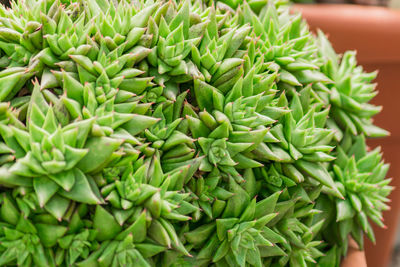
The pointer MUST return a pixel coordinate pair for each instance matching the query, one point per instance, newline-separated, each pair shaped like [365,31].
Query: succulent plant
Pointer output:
[181,133]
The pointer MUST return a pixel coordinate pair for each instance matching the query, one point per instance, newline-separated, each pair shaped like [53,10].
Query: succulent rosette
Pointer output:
[181,133]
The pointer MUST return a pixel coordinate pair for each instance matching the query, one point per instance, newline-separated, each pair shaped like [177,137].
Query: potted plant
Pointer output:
[181,133]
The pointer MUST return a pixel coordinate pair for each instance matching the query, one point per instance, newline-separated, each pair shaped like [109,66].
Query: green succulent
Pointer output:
[181,133]
[360,176]
[350,93]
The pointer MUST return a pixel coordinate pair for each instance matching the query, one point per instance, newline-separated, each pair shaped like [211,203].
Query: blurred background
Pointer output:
[390,3]
[372,28]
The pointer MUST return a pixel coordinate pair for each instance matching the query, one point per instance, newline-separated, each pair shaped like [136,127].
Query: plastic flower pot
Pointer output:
[374,32]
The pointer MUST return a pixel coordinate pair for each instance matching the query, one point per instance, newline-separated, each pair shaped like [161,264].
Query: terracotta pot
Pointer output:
[355,257]
[375,33]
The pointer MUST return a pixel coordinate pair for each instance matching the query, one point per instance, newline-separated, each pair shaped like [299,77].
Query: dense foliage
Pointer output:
[181,134]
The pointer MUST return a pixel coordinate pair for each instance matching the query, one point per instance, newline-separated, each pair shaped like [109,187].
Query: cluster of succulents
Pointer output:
[181,133]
